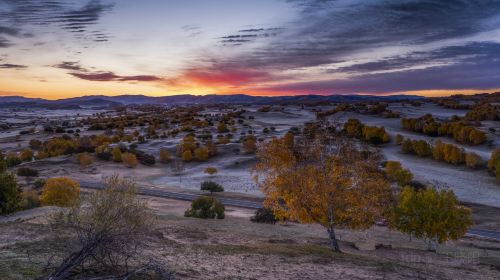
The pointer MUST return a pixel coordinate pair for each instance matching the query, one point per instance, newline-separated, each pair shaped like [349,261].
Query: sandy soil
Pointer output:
[235,248]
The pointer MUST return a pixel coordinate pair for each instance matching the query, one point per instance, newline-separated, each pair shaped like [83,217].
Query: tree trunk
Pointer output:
[331,231]
[333,239]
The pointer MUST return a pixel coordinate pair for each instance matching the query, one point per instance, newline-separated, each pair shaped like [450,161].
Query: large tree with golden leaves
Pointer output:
[332,182]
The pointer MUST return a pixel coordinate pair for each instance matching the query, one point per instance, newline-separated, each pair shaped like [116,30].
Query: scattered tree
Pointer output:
[396,173]
[206,207]
[432,215]
[116,154]
[84,159]
[129,160]
[210,170]
[250,144]
[10,193]
[473,160]
[201,153]
[211,187]
[314,183]
[61,191]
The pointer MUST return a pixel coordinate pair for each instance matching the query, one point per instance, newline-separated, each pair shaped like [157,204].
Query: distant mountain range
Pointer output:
[103,101]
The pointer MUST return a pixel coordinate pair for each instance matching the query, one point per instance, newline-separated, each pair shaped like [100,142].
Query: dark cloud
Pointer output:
[4,43]
[12,66]
[330,32]
[68,65]
[9,31]
[110,76]
[480,71]
[76,70]
[248,35]
[38,15]
[475,52]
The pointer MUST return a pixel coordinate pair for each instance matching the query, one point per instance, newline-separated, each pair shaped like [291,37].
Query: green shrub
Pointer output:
[10,193]
[206,207]
[211,187]
[27,172]
[264,215]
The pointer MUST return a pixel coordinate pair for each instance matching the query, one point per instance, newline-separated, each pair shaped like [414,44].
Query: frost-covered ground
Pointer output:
[234,167]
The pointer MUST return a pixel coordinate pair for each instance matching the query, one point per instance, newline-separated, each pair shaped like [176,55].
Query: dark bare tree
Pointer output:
[111,227]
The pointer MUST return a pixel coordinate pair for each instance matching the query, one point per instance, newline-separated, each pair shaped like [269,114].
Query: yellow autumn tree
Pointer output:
[315,183]
[250,144]
[201,153]
[84,159]
[432,215]
[129,159]
[62,191]
[210,170]
[116,153]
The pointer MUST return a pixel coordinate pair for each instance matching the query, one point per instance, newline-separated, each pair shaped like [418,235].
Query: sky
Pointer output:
[57,49]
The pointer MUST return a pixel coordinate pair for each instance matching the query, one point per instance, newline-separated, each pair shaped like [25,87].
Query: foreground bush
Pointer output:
[110,231]
[432,215]
[10,193]
[206,207]
[264,215]
[61,191]
[211,187]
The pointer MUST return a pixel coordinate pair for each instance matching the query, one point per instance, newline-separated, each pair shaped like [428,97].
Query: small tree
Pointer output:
[250,144]
[116,154]
[187,156]
[10,193]
[110,229]
[473,160]
[431,215]
[494,163]
[178,169]
[130,160]
[210,170]
[313,183]
[206,207]
[61,191]
[26,155]
[211,187]
[396,173]
[84,159]
[201,153]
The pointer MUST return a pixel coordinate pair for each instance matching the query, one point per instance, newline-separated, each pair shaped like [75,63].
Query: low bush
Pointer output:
[84,159]
[27,172]
[61,191]
[129,160]
[206,207]
[264,215]
[211,187]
